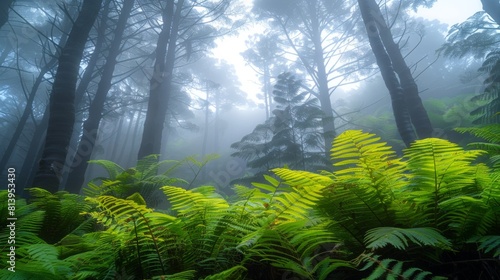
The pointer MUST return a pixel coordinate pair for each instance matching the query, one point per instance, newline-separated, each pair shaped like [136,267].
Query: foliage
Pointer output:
[377,215]
[478,36]
[490,133]
[291,136]
[141,179]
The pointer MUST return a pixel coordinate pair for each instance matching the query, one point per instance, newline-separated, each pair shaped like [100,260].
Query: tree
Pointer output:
[291,137]
[418,115]
[406,103]
[62,97]
[187,27]
[319,33]
[478,37]
[262,54]
[91,125]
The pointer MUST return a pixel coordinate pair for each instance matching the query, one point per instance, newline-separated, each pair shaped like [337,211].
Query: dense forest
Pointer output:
[234,139]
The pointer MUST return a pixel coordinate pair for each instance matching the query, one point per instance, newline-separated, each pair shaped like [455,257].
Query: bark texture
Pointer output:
[418,114]
[399,106]
[91,125]
[62,98]
[160,83]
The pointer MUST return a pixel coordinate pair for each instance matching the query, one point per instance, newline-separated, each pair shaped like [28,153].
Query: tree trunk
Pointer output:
[492,7]
[418,114]
[91,125]
[160,83]
[4,11]
[28,110]
[33,155]
[399,106]
[88,76]
[328,120]
[62,98]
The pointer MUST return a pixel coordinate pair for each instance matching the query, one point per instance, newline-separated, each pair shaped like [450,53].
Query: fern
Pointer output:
[489,244]
[233,273]
[441,170]
[392,269]
[361,195]
[490,133]
[400,238]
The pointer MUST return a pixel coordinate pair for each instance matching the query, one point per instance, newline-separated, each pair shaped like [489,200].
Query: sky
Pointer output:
[230,48]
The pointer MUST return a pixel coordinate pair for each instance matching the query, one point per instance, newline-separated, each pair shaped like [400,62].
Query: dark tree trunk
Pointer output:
[492,7]
[62,98]
[418,114]
[91,125]
[160,83]
[4,11]
[399,106]
[34,154]
[91,72]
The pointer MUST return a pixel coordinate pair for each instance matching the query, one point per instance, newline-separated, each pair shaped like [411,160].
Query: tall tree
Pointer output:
[91,125]
[62,97]
[161,79]
[262,55]
[418,114]
[319,33]
[291,136]
[186,29]
[399,105]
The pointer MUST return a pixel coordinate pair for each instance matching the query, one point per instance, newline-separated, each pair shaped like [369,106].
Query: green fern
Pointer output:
[233,273]
[142,179]
[400,237]
[440,171]
[490,133]
[489,244]
[361,194]
[392,269]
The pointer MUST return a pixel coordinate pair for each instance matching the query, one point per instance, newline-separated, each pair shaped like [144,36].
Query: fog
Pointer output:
[224,68]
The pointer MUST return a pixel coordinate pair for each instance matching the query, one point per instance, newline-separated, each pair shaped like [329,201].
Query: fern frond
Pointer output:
[234,273]
[392,269]
[490,244]
[401,237]
[112,168]
[490,133]
[441,170]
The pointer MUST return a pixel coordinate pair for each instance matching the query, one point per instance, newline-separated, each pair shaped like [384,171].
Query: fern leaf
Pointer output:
[234,273]
[400,238]
[112,168]
[489,244]
[392,269]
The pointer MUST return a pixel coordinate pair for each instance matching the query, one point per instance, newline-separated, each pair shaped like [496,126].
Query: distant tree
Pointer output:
[318,33]
[262,55]
[62,97]
[48,62]
[188,30]
[291,137]
[478,37]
